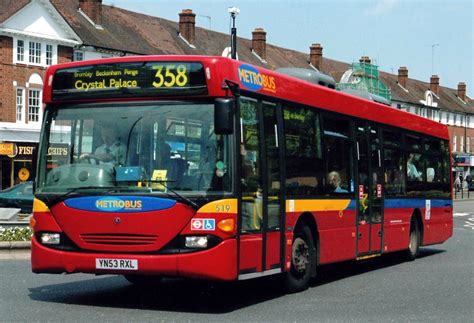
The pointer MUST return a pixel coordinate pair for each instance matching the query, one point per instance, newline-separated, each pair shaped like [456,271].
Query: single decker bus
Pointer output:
[208,167]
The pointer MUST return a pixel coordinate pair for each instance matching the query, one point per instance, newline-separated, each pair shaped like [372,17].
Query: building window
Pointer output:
[461,144]
[34,105]
[49,54]
[78,56]
[20,50]
[35,52]
[454,143]
[20,103]
[468,144]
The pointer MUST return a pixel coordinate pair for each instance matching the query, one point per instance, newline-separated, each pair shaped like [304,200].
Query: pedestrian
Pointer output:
[457,184]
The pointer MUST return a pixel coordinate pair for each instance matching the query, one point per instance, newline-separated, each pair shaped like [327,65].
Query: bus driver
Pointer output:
[111,151]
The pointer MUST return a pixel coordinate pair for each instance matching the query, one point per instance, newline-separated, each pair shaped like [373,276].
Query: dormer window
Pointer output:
[49,54]
[20,50]
[33,52]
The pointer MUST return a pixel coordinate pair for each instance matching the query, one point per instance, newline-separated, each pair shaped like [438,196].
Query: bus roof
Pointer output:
[253,79]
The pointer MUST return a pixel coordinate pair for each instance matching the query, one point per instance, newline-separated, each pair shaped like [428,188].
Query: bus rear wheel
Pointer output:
[303,260]
[414,243]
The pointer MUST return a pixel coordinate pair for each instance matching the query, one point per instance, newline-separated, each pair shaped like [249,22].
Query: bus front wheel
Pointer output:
[303,260]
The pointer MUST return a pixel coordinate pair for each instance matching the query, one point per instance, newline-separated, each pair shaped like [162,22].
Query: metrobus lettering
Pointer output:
[117,204]
[252,79]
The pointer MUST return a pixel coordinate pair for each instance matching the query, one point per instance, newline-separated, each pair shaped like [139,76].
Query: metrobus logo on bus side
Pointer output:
[252,79]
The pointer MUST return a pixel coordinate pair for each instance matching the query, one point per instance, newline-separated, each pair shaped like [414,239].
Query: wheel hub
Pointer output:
[300,257]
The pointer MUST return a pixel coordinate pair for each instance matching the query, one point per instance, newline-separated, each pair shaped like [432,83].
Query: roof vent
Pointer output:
[308,75]
[367,95]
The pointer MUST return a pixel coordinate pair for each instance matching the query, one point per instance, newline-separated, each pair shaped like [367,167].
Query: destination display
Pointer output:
[135,79]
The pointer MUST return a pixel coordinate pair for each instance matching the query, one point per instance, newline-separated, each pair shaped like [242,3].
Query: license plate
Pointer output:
[116,264]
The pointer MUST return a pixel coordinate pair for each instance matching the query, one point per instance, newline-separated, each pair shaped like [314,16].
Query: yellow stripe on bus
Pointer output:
[316,205]
[225,206]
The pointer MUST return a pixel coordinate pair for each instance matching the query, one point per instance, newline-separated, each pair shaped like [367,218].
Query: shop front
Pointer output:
[16,163]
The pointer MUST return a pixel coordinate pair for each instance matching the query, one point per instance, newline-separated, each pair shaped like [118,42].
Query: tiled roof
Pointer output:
[448,99]
[137,33]
[9,7]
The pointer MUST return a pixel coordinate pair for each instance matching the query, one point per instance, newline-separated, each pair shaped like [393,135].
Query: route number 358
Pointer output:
[170,75]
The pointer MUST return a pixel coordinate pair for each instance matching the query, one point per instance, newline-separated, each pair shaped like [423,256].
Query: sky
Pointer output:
[427,36]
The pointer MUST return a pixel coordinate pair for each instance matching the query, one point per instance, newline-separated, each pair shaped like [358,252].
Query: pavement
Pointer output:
[15,250]
[9,254]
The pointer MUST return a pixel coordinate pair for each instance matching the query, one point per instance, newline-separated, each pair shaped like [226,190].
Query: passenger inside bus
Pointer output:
[412,173]
[334,180]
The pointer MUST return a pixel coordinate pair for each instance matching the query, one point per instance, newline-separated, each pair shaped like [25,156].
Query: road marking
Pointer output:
[469,223]
[460,214]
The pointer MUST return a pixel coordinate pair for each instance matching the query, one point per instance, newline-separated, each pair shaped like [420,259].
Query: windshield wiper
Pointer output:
[70,191]
[163,182]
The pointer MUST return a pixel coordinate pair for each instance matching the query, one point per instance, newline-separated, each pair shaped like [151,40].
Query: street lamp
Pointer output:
[233,33]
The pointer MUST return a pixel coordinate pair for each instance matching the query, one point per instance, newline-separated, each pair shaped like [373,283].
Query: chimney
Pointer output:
[316,56]
[434,84]
[462,91]
[259,42]
[187,21]
[364,59]
[403,76]
[92,9]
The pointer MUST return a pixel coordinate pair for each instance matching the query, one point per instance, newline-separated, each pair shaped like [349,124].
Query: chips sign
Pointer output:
[134,79]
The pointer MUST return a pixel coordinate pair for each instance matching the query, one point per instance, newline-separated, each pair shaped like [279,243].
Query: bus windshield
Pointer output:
[150,147]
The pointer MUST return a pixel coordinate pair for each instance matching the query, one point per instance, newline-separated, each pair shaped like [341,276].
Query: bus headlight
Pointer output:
[50,238]
[196,242]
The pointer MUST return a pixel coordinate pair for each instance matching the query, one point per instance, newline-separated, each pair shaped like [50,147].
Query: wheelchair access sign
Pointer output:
[203,224]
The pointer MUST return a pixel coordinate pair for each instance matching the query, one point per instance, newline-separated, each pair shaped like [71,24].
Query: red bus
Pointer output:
[212,168]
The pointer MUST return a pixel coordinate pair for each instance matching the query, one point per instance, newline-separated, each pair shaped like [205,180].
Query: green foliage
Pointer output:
[15,234]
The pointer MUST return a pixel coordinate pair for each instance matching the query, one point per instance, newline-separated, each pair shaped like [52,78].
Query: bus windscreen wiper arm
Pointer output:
[163,182]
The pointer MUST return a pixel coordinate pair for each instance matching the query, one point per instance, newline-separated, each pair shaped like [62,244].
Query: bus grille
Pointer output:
[118,239]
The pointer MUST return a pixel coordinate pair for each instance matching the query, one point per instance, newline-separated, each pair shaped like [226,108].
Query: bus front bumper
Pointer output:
[219,262]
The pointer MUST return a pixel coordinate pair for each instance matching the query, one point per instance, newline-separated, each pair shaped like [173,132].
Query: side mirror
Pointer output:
[223,116]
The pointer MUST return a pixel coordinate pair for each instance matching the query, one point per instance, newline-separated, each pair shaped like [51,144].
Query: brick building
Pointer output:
[37,33]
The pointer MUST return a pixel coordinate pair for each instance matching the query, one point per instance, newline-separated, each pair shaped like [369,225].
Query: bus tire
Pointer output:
[415,239]
[143,280]
[303,261]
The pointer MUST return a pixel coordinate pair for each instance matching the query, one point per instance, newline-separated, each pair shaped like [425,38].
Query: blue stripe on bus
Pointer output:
[119,203]
[352,205]
[415,203]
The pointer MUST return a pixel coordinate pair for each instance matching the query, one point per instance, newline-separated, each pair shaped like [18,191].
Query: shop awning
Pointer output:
[18,136]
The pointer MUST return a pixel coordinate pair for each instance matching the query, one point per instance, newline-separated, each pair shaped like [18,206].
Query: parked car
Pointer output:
[19,196]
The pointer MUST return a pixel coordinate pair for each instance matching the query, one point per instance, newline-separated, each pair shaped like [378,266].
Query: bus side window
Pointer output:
[304,164]
[394,164]
[338,156]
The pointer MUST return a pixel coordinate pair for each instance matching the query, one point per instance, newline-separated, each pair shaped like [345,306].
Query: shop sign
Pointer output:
[7,149]
[23,174]
[13,150]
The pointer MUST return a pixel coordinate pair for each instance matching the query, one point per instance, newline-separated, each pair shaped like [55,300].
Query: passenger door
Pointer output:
[370,212]
[261,209]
